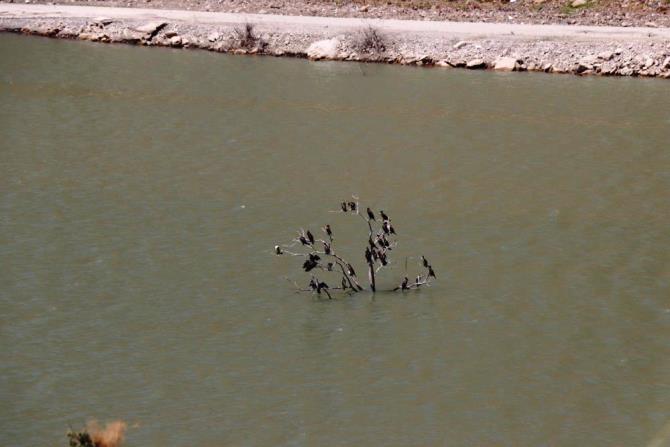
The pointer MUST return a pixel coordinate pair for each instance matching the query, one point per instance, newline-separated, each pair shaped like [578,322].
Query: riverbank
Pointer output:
[583,50]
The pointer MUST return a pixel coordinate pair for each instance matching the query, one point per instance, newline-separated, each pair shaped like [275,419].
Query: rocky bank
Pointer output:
[643,57]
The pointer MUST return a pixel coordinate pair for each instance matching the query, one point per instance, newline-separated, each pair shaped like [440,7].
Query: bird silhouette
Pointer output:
[278,250]
[383,214]
[351,271]
[371,215]
[424,261]
[431,272]
[352,206]
[326,248]
[343,206]
[310,236]
[328,231]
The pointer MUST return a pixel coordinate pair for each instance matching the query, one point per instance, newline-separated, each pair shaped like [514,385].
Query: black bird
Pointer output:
[425,261]
[371,215]
[386,242]
[314,257]
[418,280]
[386,227]
[343,205]
[352,206]
[302,240]
[309,265]
[329,266]
[351,271]
[375,256]
[310,236]
[322,286]
[371,243]
[382,258]
[431,272]
[328,231]
[344,284]
[278,250]
[312,284]
[384,216]
[368,255]
[326,248]
[402,286]
[391,229]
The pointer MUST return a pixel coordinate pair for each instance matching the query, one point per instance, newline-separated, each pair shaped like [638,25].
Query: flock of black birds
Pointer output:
[381,240]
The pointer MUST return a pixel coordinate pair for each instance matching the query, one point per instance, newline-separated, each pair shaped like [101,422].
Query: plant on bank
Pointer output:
[320,255]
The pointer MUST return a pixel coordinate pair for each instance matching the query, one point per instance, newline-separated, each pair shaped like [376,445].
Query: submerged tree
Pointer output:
[320,254]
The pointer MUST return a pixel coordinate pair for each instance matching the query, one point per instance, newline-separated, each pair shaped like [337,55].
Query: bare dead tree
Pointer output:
[320,254]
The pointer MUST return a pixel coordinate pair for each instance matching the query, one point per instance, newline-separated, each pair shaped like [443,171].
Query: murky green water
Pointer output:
[142,191]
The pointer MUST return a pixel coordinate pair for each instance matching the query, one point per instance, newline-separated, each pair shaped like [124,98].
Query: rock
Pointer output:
[618,51]
[364,8]
[93,37]
[578,3]
[214,37]
[102,21]
[475,64]
[175,41]
[505,64]
[547,68]
[323,49]
[442,63]
[460,45]
[151,28]
[666,63]
[651,25]
[606,55]
[649,62]
[170,34]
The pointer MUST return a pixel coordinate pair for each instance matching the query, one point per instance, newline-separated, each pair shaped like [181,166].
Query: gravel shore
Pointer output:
[622,51]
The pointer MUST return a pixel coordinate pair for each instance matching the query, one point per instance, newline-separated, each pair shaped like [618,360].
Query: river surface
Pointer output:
[142,192]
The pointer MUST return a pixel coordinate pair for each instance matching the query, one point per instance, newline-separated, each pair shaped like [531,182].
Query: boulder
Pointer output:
[175,41]
[666,63]
[505,64]
[151,28]
[578,3]
[606,55]
[460,45]
[214,37]
[102,21]
[475,64]
[323,49]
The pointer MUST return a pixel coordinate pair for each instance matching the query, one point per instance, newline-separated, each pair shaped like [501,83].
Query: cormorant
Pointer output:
[309,264]
[391,229]
[328,231]
[351,271]
[385,227]
[431,272]
[329,266]
[352,206]
[326,248]
[425,261]
[278,250]
[343,205]
[404,283]
[371,215]
[384,216]
[368,255]
[310,236]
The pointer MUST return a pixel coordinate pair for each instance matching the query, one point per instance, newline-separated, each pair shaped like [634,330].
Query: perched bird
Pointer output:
[302,238]
[431,272]
[278,250]
[321,286]
[313,284]
[386,227]
[384,216]
[382,258]
[309,265]
[310,236]
[329,266]
[403,285]
[326,248]
[351,271]
[368,255]
[418,280]
[328,231]
[371,244]
[424,261]
[343,205]
[391,229]
[371,215]
[352,206]
[344,284]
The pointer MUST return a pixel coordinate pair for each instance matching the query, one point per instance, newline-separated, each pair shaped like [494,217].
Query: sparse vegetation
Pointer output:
[371,40]
[245,38]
